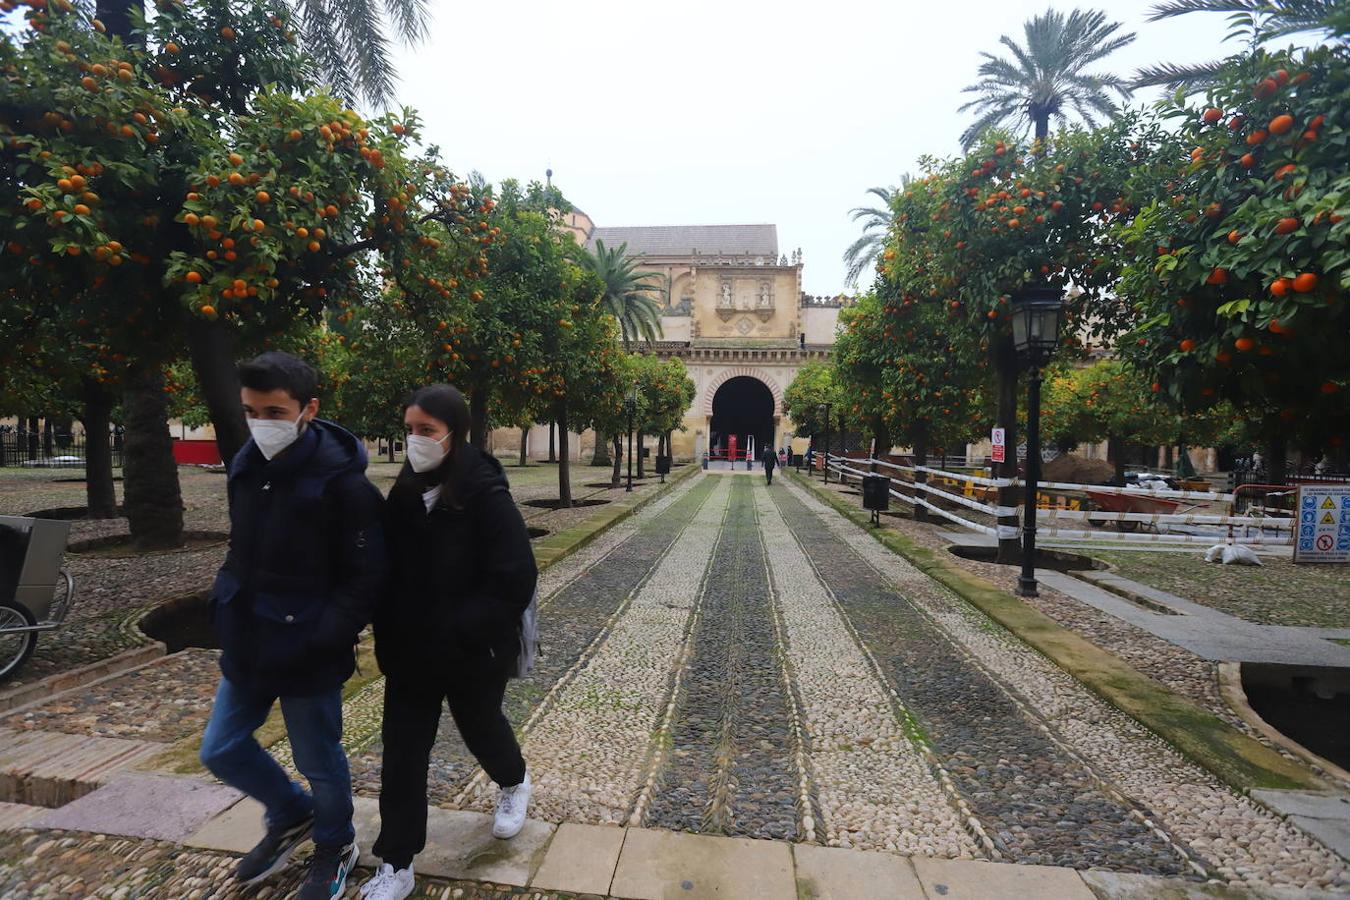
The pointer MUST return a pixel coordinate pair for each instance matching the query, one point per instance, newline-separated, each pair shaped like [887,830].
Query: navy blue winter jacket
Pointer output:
[306,564]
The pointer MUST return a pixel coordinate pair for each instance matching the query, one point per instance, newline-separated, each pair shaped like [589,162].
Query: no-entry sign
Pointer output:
[998,438]
[1323,524]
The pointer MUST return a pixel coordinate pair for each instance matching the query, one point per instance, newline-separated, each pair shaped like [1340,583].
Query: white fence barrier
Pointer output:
[1254,528]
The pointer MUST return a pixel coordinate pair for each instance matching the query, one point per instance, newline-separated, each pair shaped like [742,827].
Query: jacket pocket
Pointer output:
[286,625]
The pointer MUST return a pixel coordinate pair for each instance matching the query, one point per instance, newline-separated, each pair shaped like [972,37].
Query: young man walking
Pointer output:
[305,565]
[770,459]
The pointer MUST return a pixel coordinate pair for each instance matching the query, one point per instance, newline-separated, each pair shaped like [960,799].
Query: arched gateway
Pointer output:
[744,414]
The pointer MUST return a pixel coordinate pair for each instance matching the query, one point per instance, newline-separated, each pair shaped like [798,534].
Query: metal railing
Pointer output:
[43,449]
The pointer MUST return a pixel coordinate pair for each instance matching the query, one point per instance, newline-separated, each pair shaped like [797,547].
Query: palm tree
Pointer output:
[346,38]
[1255,21]
[1046,79]
[863,253]
[628,293]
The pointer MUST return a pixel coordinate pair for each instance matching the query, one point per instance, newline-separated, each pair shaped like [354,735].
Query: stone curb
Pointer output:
[556,547]
[62,682]
[1236,759]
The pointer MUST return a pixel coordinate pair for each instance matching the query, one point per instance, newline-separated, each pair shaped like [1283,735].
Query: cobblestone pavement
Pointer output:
[742,660]
[37,864]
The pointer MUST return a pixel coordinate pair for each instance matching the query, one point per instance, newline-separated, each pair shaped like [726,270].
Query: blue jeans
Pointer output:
[314,725]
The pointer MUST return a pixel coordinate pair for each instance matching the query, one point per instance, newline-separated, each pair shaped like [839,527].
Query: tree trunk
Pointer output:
[1005,370]
[920,478]
[391,449]
[882,435]
[1277,459]
[552,447]
[564,471]
[99,491]
[150,476]
[616,478]
[212,350]
[1115,454]
[32,441]
[48,442]
[641,469]
[601,457]
[525,446]
[478,416]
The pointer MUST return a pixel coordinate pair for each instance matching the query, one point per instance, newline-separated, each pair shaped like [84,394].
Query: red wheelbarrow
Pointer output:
[1127,503]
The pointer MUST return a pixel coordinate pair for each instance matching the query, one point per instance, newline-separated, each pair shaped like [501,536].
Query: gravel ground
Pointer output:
[1224,834]
[1277,593]
[45,864]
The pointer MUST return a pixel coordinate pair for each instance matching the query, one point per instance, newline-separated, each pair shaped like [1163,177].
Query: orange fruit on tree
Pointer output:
[1281,124]
[1212,115]
[262,196]
[1264,88]
[314,246]
[1247,160]
[236,178]
[1234,236]
[208,310]
[1244,344]
[1256,137]
[1305,282]
[227,33]
[193,277]
[88,83]
[236,159]
[81,209]
[1218,276]
[1187,345]
[191,218]
[1279,287]
[1286,225]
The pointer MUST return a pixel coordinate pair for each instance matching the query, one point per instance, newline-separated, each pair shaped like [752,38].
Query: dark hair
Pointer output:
[447,403]
[274,369]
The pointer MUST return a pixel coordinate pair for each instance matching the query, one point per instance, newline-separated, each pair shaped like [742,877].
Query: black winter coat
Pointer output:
[305,567]
[770,458]
[459,577]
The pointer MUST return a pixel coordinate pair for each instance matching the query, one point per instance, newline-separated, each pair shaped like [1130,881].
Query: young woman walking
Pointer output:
[461,574]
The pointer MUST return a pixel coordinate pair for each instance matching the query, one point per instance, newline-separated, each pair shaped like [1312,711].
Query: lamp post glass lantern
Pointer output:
[630,407]
[1036,314]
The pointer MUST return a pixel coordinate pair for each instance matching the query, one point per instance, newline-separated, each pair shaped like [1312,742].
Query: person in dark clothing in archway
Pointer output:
[770,459]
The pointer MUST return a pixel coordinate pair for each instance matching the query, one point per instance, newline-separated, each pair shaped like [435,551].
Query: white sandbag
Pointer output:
[1232,555]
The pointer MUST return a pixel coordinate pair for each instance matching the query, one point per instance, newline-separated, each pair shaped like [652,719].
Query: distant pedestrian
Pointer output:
[770,459]
[462,574]
[782,458]
[305,566]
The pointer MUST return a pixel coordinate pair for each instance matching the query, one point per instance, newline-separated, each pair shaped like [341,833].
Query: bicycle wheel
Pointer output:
[15,647]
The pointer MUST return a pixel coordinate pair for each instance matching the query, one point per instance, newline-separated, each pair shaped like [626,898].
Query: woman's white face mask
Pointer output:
[424,453]
[274,435]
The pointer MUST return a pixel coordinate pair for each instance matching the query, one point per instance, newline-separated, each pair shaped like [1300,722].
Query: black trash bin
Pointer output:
[876,495]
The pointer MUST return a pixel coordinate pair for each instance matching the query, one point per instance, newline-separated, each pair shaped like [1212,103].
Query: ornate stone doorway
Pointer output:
[744,407]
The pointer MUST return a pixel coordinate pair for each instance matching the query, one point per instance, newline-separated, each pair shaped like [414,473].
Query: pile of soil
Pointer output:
[1076,470]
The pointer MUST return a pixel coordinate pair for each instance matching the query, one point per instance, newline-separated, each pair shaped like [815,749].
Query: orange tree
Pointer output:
[1236,285]
[182,195]
[815,384]
[664,392]
[911,372]
[976,230]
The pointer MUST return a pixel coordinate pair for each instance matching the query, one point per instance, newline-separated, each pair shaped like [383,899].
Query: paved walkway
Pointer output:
[738,661]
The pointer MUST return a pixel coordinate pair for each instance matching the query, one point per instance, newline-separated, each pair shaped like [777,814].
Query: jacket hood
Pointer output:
[324,451]
[479,472]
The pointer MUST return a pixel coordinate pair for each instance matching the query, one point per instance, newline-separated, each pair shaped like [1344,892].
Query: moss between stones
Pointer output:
[1235,758]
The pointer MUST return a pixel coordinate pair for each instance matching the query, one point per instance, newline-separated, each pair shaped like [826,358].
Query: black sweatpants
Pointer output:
[768,474]
[412,713]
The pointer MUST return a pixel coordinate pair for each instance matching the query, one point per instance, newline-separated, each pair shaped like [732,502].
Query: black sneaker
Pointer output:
[328,872]
[273,850]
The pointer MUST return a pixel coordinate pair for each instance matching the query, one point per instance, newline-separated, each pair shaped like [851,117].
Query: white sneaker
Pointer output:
[512,804]
[389,884]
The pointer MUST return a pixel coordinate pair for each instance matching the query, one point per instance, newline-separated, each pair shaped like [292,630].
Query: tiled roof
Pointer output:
[683,240]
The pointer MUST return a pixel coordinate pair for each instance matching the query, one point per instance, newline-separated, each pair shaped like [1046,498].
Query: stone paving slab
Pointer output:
[47,769]
[960,879]
[1126,886]
[146,806]
[1208,633]
[581,859]
[234,830]
[658,864]
[16,815]
[831,873]
[460,845]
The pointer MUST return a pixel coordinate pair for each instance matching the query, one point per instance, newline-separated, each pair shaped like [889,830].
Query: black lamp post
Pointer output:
[1036,314]
[823,410]
[630,407]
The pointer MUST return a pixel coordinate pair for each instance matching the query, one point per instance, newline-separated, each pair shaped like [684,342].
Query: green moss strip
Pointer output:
[1235,758]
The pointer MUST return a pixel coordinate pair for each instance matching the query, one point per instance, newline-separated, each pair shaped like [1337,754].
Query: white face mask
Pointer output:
[274,435]
[424,453]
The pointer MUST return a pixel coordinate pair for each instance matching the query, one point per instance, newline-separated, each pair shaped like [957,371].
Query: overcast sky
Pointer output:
[741,111]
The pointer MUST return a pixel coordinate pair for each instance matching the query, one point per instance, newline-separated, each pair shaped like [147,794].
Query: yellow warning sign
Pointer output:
[1327,504]
[1327,519]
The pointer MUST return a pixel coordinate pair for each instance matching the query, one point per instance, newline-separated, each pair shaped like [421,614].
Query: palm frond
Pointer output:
[410,18]
[1173,8]
[1191,77]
